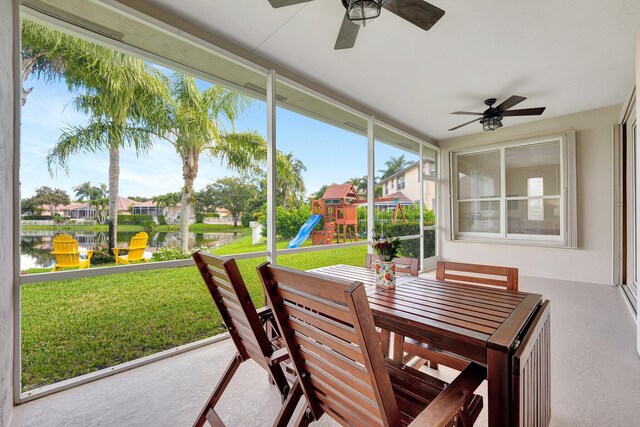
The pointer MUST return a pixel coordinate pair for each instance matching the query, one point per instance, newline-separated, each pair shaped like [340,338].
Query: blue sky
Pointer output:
[330,154]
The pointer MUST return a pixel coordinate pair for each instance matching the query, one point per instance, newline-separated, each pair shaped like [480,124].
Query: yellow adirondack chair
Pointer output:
[67,253]
[135,251]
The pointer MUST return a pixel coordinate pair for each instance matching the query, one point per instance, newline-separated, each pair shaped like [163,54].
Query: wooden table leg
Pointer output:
[397,351]
[385,341]
[498,381]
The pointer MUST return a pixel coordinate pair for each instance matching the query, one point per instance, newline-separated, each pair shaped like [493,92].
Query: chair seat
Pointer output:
[415,390]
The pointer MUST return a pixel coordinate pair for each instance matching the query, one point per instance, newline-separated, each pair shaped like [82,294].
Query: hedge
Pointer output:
[411,248]
[135,219]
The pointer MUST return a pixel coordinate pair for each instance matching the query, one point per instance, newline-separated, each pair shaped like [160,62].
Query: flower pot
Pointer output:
[385,274]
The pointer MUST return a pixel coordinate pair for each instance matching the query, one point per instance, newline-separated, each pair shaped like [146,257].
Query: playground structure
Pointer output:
[339,210]
[338,206]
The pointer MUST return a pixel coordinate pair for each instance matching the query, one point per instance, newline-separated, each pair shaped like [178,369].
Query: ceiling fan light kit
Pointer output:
[491,123]
[361,11]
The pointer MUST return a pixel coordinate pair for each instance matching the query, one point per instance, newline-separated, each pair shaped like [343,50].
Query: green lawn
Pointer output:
[73,327]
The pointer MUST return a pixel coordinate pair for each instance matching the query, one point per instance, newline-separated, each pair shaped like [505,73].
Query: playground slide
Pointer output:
[304,232]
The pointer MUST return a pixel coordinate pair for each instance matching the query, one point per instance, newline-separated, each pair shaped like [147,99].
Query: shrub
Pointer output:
[136,219]
[162,220]
[102,257]
[289,222]
[37,217]
[411,248]
[199,218]
[168,254]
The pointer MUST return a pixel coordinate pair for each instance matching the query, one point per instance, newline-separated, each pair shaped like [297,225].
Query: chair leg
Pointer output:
[217,391]
[304,417]
[289,406]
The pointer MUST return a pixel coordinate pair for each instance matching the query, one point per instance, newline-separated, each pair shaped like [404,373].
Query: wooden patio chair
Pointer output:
[403,264]
[328,328]
[67,253]
[135,251]
[478,274]
[245,324]
[457,272]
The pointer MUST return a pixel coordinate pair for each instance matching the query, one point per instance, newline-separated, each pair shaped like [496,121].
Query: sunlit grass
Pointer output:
[73,327]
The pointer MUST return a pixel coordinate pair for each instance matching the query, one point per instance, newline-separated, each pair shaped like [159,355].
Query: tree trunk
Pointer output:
[189,174]
[235,221]
[114,177]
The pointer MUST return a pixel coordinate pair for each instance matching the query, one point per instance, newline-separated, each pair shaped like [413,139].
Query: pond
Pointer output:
[36,245]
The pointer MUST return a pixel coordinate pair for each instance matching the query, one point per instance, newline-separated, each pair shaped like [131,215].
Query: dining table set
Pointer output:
[359,353]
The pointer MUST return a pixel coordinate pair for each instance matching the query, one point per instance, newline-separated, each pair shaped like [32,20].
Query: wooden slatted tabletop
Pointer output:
[442,314]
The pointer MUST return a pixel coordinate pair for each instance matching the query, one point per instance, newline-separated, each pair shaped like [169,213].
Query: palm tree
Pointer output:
[289,181]
[169,200]
[123,96]
[83,191]
[51,55]
[394,165]
[194,123]
[360,184]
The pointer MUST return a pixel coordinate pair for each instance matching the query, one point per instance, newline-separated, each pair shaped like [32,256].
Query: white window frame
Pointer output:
[567,196]
[399,182]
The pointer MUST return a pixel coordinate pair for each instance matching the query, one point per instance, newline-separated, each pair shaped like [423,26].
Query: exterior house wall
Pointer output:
[592,260]
[8,11]
[412,187]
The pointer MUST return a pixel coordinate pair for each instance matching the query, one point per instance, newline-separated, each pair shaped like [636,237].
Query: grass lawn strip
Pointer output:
[73,327]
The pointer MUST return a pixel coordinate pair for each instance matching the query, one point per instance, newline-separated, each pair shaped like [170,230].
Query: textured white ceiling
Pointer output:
[570,55]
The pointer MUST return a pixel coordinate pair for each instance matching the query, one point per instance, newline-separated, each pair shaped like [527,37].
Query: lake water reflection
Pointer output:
[36,245]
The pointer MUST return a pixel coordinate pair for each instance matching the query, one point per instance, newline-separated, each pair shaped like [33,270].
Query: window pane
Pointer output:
[397,198]
[534,216]
[479,217]
[479,175]
[321,176]
[429,243]
[533,170]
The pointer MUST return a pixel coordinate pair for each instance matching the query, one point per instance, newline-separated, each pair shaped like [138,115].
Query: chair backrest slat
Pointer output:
[234,303]
[403,264]
[66,250]
[137,246]
[505,277]
[328,328]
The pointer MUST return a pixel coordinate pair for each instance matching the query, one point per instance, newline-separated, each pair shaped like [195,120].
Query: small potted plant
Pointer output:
[385,269]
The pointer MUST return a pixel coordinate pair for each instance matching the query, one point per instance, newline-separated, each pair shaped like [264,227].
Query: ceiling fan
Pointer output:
[361,12]
[492,117]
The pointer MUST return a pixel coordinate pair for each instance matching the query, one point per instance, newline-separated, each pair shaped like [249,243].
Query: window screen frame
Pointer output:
[567,197]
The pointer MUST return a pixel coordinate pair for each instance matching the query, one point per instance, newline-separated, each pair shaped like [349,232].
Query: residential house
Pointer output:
[406,184]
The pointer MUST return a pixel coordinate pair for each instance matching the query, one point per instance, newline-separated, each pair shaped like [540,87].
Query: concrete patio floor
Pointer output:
[595,375]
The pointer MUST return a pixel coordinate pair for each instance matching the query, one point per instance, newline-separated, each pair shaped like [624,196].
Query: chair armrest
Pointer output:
[280,355]
[448,403]
[116,251]
[89,254]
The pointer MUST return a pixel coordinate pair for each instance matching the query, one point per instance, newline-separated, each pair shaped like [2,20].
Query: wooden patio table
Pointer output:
[477,324]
